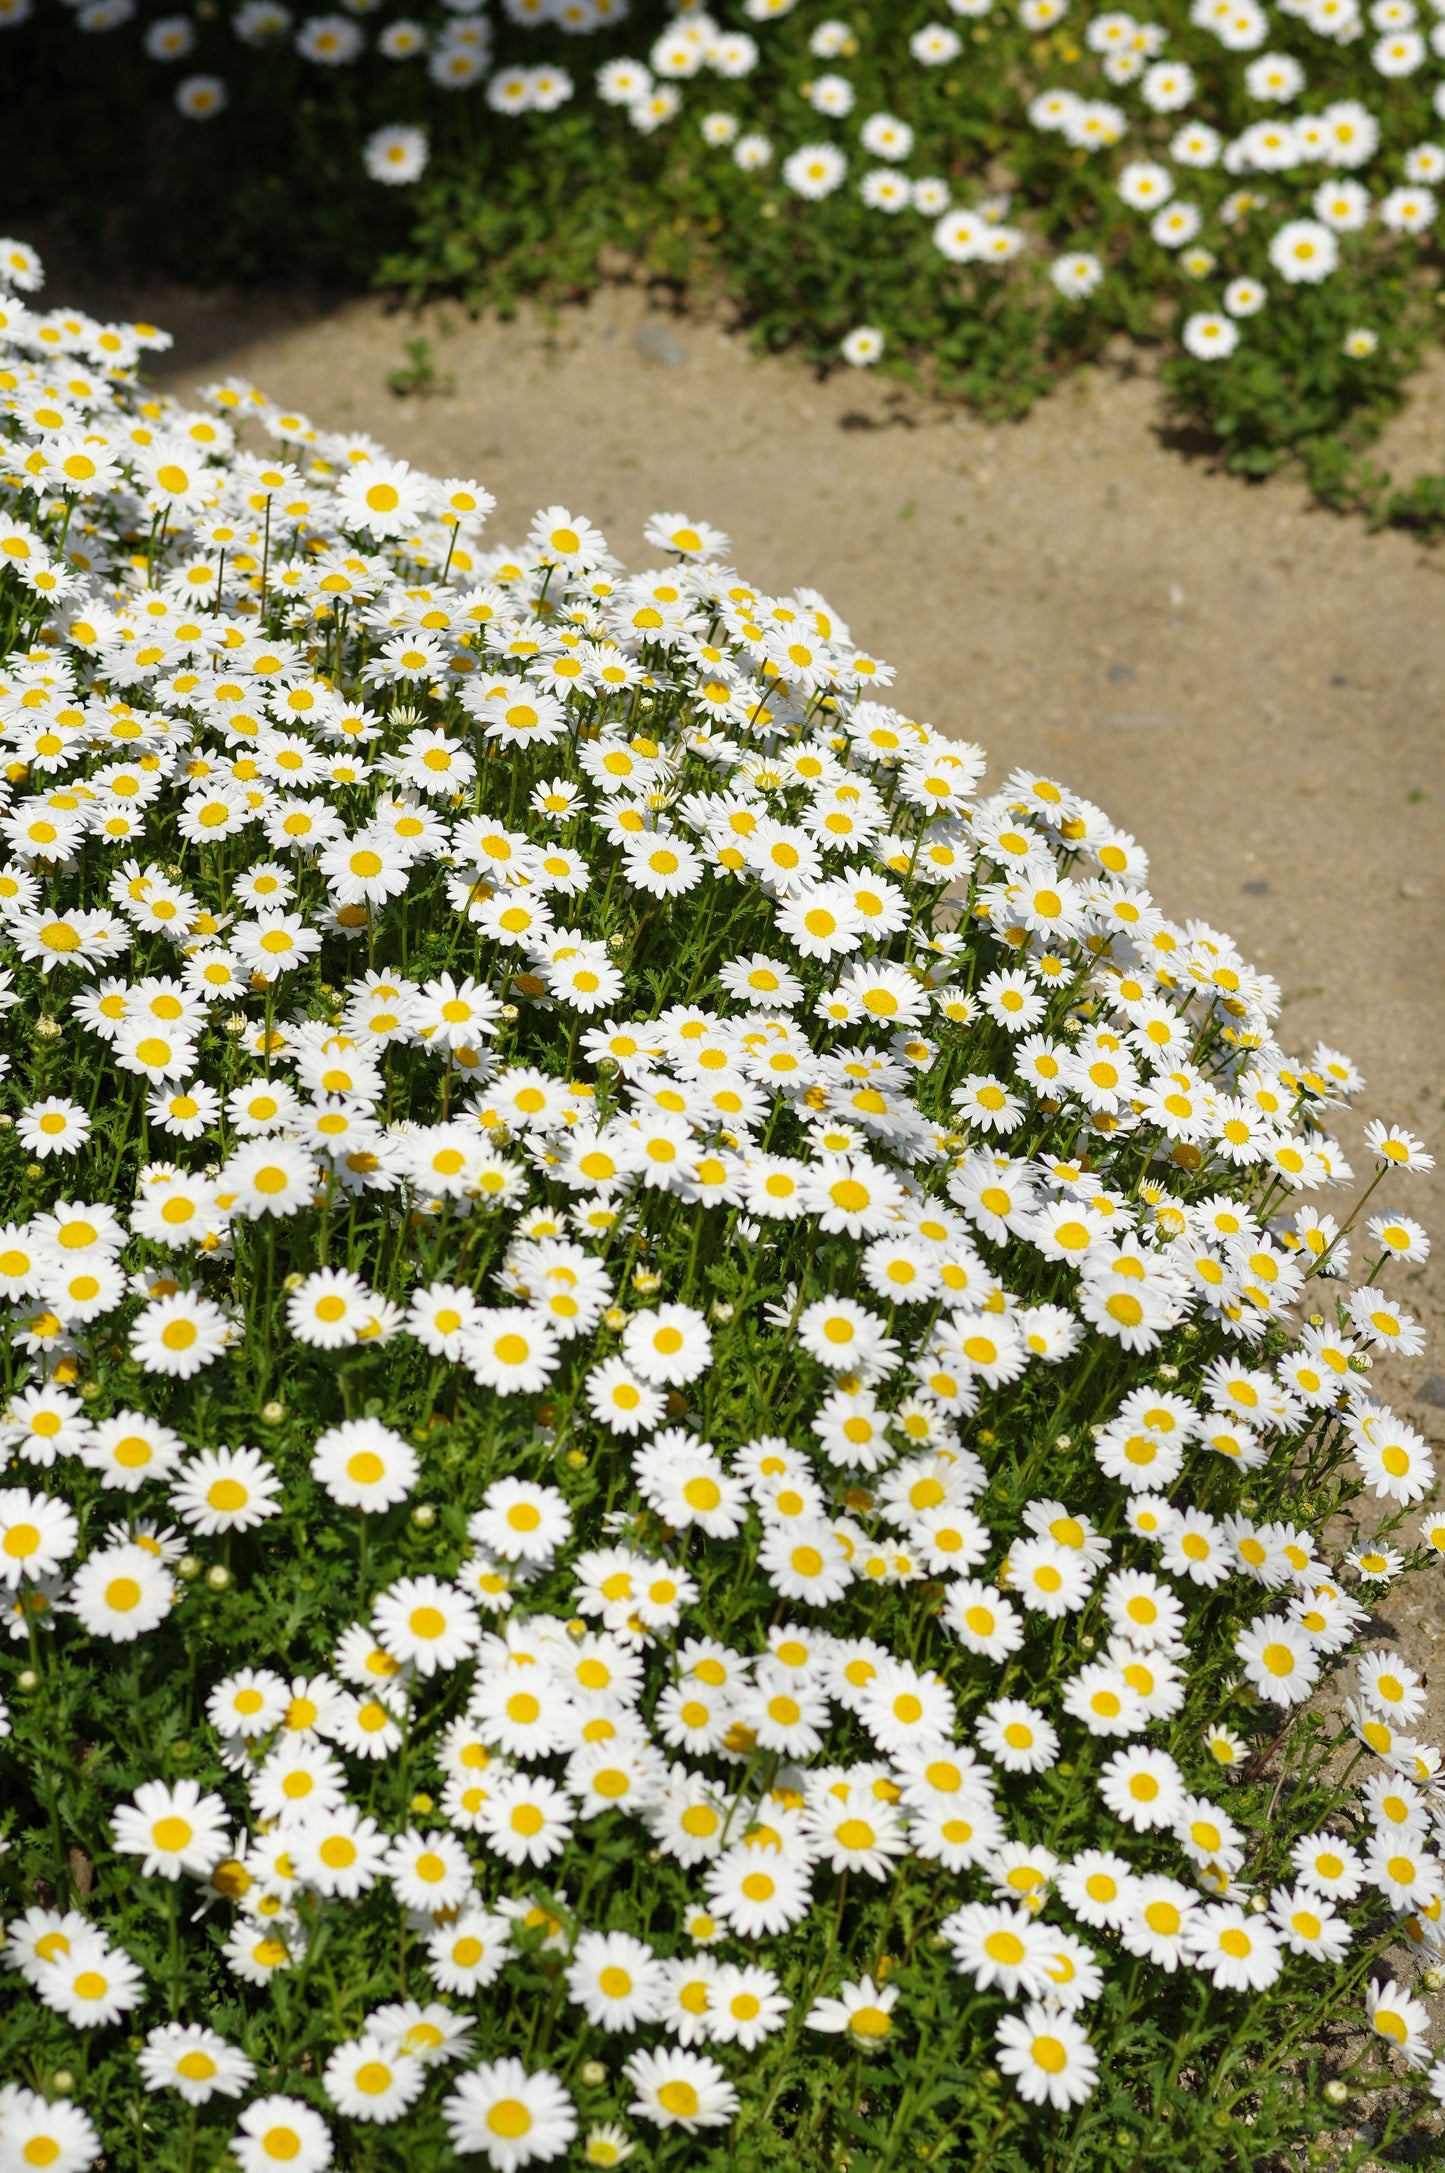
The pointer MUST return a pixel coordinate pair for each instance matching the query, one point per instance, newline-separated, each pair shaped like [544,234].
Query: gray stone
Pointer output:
[660,345]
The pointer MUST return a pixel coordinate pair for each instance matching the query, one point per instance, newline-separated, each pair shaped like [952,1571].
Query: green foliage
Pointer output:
[419,376]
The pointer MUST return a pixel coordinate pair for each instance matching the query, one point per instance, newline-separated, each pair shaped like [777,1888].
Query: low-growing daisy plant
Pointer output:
[983,191]
[681,1474]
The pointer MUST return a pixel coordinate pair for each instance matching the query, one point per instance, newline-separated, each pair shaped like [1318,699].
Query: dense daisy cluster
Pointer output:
[677,1447]
[1233,153]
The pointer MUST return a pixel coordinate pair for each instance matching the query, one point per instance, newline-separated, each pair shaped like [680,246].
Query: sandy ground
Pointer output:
[1249,684]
